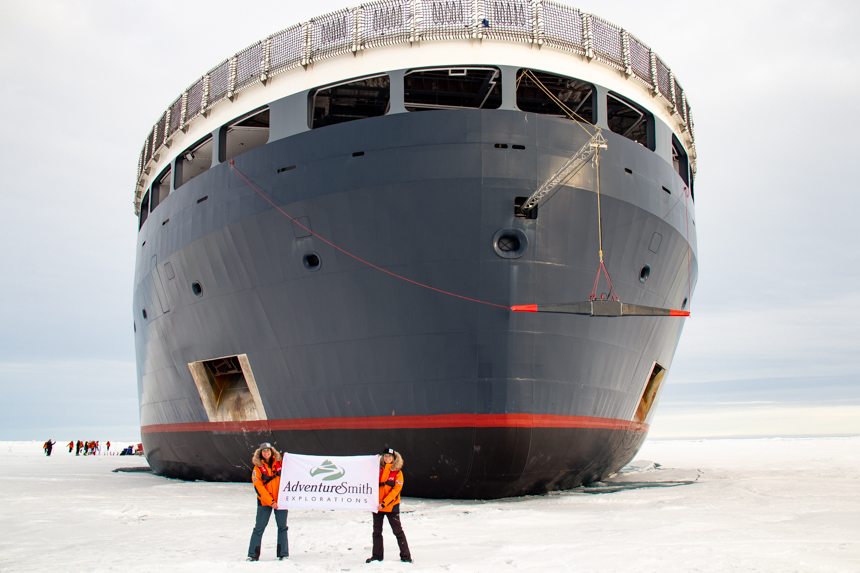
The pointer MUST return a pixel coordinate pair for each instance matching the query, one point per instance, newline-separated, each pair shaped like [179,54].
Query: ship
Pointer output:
[417,224]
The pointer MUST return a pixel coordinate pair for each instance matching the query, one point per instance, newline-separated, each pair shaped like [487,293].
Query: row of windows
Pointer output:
[237,137]
[477,87]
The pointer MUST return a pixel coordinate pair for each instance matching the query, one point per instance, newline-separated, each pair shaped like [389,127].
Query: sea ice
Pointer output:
[708,505]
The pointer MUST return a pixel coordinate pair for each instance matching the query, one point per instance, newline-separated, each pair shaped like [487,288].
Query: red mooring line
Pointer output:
[359,259]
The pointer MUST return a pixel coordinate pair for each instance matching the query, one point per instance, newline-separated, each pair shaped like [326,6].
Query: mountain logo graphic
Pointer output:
[329,470]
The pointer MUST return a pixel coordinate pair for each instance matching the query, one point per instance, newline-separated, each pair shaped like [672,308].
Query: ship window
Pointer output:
[655,379]
[630,120]
[679,160]
[576,95]
[453,88]
[244,134]
[227,389]
[357,99]
[193,161]
[144,210]
[160,190]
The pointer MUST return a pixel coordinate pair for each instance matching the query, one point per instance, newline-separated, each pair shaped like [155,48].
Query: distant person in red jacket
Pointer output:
[71,445]
[266,478]
[390,484]
[48,447]
[107,447]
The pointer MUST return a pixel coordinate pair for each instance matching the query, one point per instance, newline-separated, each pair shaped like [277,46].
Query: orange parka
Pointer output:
[390,484]
[266,478]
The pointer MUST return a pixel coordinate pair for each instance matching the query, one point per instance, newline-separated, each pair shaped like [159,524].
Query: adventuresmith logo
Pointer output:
[327,467]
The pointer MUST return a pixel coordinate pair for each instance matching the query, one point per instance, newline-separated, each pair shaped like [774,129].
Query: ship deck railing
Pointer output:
[389,22]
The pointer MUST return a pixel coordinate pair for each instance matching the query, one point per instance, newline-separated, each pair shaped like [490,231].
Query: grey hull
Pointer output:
[481,401]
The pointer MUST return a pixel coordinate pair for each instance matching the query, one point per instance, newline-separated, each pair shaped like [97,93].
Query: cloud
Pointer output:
[773,87]
[751,340]
[52,394]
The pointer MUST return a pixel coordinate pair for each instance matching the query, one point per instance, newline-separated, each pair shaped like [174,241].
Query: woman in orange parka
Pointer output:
[266,478]
[390,484]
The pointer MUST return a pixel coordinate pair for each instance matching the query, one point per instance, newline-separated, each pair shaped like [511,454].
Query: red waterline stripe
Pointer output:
[405,422]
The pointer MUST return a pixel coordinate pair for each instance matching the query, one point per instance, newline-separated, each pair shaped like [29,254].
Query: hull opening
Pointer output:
[227,389]
[655,379]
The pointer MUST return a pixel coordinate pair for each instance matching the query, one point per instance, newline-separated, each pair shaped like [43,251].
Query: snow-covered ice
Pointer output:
[711,505]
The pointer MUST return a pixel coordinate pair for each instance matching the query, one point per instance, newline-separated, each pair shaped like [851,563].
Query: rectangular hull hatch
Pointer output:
[227,389]
[655,380]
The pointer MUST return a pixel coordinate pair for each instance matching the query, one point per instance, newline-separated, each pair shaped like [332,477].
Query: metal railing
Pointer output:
[387,22]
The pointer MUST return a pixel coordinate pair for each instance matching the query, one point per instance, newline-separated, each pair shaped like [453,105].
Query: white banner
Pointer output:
[329,482]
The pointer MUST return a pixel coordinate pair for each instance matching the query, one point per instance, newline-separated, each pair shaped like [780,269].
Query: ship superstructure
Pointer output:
[309,206]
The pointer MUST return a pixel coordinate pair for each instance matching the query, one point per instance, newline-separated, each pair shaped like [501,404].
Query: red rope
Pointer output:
[612,294]
[359,259]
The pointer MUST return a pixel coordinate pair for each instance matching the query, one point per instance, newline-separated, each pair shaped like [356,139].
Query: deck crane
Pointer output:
[570,168]
[593,306]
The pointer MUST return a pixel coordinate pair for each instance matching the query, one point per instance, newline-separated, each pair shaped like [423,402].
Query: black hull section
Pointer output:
[466,463]
[344,341]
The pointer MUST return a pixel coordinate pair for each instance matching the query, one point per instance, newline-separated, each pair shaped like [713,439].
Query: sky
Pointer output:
[773,86]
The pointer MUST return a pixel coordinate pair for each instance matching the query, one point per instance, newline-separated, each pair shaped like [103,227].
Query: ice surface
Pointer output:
[712,505]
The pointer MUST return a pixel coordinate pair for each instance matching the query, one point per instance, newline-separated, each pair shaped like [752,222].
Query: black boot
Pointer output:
[371,559]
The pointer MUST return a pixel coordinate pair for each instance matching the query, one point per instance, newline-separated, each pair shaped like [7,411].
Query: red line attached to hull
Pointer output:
[405,422]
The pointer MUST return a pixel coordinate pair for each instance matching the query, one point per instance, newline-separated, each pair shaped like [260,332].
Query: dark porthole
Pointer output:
[510,243]
[311,261]
[684,304]
[143,312]
[196,288]
[644,273]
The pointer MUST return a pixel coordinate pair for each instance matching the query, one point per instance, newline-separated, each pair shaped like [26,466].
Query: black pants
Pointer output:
[263,514]
[396,528]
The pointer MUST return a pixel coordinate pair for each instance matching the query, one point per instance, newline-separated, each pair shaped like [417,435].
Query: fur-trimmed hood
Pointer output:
[258,456]
[397,465]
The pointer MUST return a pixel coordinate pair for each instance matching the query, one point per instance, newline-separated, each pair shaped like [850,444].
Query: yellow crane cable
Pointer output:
[569,112]
[579,121]
[599,217]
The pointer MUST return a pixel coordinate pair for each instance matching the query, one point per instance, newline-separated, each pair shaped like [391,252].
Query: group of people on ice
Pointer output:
[266,478]
[89,448]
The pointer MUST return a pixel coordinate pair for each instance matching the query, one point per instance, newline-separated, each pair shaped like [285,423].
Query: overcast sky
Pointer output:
[774,88]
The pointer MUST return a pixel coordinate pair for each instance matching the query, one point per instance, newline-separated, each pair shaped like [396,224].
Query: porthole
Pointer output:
[311,261]
[143,312]
[196,289]
[510,243]
[644,273]
[684,304]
